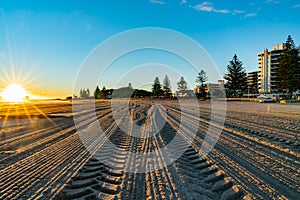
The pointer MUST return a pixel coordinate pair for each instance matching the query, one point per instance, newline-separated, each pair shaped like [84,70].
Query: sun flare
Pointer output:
[14,93]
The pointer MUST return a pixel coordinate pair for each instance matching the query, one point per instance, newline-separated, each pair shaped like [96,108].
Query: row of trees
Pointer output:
[119,93]
[85,93]
[165,88]
[158,89]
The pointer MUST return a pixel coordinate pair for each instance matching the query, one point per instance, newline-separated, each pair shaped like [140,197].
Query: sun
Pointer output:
[14,93]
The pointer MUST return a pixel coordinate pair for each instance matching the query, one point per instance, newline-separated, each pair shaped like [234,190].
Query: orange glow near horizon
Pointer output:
[18,88]
[15,89]
[16,95]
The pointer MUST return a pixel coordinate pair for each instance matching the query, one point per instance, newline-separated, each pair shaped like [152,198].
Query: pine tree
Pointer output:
[182,84]
[288,71]
[97,93]
[236,78]
[80,93]
[166,85]
[88,93]
[156,87]
[182,87]
[83,94]
[201,79]
[290,43]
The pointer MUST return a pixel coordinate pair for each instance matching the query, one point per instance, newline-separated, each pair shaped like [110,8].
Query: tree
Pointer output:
[88,93]
[84,93]
[288,71]
[290,44]
[182,84]
[97,93]
[201,79]
[80,93]
[166,85]
[156,90]
[236,77]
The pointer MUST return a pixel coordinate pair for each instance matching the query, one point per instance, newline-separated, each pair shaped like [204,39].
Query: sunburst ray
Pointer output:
[6,116]
[43,114]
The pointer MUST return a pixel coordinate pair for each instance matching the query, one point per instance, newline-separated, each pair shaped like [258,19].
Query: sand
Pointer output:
[44,156]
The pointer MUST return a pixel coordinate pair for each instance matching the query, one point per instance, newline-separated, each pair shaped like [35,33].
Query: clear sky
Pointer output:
[49,40]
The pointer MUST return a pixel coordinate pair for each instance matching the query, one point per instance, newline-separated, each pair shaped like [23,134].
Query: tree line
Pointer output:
[158,89]
[123,92]
[287,79]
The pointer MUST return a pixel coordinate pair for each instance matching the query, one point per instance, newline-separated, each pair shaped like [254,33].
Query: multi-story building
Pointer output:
[267,64]
[252,82]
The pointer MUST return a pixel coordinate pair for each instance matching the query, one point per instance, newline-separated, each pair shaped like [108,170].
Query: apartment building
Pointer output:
[267,64]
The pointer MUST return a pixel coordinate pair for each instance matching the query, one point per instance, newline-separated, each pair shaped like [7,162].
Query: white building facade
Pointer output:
[267,64]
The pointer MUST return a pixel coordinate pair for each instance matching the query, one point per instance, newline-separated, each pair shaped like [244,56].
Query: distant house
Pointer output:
[185,93]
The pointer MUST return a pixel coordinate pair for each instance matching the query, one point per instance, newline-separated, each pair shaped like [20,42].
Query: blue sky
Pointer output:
[49,40]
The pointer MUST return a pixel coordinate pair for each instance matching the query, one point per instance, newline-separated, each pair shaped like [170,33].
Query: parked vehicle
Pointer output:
[266,100]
